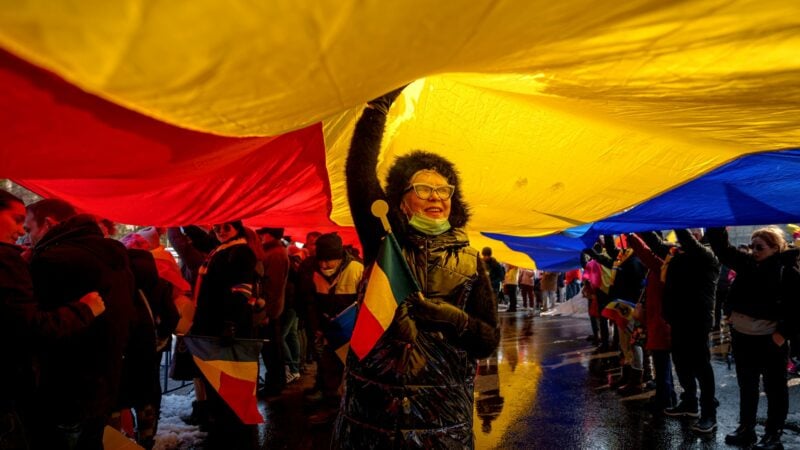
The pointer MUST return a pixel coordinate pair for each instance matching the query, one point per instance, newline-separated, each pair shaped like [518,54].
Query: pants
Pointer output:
[527,295]
[756,357]
[573,289]
[633,354]
[272,354]
[511,292]
[692,359]
[665,387]
[549,299]
[291,341]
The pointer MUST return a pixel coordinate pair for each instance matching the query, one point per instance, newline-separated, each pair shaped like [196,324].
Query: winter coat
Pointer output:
[24,327]
[767,290]
[80,375]
[334,294]
[627,276]
[415,388]
[276,273]
[658,330]
[156,315]
[690,285]
[225,290]
[496,272]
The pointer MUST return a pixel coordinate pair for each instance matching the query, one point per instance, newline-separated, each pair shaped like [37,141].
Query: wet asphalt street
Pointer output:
[546,389]
[553,394]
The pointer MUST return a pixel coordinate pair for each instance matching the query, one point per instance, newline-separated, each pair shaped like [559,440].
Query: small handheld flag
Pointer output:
[390,283]
[340,330]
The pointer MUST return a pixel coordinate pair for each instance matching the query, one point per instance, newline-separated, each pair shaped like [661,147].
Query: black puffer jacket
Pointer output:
[80,375]
[691,285]
[767,290]
[415,388]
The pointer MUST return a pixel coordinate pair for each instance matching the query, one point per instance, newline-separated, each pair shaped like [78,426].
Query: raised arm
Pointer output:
[728,254]
[363,186]
[645,254]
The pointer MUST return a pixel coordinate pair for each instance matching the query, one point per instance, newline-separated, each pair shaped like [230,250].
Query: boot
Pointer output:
[634,384]
[770,441]
[623,379]
[744,435]
[199,414]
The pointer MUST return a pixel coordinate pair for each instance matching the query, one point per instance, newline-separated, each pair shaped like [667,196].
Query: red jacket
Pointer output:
[658,330]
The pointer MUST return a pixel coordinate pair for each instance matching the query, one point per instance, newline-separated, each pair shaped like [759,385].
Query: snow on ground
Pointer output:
[173,433]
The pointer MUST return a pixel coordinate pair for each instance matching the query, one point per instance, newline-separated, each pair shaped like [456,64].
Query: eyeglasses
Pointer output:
[758,247]
[425,191]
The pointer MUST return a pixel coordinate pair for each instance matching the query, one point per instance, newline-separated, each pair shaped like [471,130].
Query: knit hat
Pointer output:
[151,235]
[277,233]
[329,246]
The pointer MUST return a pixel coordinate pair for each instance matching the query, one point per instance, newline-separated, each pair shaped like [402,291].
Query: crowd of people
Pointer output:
[86,318]
[664,298]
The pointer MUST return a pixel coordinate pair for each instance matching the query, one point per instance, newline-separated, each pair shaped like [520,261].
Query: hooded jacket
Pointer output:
[415,388]
[80,375]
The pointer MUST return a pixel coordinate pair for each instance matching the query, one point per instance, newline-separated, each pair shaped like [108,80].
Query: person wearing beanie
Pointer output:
[434,340]
[335,282]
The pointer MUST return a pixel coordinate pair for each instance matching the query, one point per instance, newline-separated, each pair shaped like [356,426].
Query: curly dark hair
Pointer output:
[406,166]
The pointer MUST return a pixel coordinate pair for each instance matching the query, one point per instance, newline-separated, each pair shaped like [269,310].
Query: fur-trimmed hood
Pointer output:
[406,166]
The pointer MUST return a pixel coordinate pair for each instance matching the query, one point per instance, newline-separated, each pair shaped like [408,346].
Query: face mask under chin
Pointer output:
[424,224]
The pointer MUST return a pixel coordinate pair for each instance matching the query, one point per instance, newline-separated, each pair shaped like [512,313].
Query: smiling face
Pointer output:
[11,220]
[434,207]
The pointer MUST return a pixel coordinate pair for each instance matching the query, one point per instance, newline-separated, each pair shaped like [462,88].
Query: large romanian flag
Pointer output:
[390,283]
[557,114]
[232,370]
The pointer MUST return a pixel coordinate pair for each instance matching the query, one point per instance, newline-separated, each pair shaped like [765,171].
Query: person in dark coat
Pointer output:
[156,314]
[225,287]
[79,375]
[690,284]
[764,312]
[24,327]
[627,275]
[497,272]
[415,388]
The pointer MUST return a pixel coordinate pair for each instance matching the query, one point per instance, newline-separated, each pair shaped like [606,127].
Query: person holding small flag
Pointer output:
[428,311]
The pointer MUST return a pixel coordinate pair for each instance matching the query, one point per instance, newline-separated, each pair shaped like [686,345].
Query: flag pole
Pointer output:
[380,209]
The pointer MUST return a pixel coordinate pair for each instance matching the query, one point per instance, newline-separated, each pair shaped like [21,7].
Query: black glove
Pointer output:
[439,316]
[406,328]
[228,334]
[384,102]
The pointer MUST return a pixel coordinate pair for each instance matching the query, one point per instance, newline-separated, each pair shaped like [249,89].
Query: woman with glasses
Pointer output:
[764,312]
[415,388]
[223,289]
